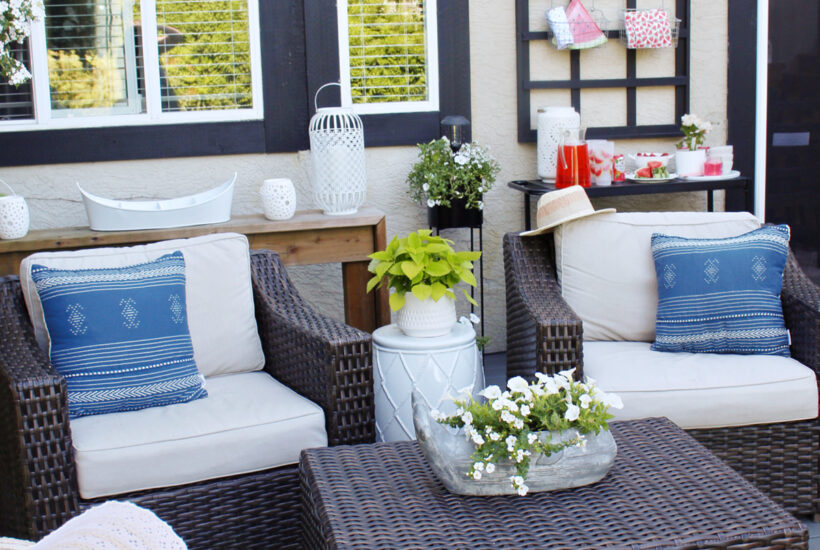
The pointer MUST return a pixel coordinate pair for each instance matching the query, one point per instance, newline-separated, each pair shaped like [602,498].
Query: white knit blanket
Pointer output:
[112,526]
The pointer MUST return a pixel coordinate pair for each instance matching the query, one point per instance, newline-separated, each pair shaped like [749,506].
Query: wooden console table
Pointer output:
[536,188]
[308,238]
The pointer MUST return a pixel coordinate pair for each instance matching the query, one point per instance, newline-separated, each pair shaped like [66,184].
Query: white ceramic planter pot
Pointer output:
[14,216]
[278,199]
[428,318]
[689,163]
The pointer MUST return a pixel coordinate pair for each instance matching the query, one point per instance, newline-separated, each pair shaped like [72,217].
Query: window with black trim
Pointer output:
[104,94]
[403,64]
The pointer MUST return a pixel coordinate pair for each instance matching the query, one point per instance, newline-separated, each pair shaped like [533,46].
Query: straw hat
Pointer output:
[561,206]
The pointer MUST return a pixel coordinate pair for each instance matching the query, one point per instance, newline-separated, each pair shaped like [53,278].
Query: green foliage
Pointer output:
[423,264]
[387,51]
[80,83]
[441,175]
[521,423]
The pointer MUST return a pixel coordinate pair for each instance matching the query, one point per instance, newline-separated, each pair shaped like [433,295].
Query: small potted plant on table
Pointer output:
[422,270]
[452,183]
[689,158]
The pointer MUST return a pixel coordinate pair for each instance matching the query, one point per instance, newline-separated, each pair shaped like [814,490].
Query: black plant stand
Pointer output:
[441,218]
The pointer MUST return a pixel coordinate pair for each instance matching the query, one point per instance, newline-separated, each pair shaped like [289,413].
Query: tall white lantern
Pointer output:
[337,155]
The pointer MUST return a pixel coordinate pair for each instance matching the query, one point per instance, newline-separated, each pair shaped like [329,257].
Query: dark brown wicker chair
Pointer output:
[325,361]
[544,334]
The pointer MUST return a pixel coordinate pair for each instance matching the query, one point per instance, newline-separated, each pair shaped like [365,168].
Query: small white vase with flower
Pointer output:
[689,158]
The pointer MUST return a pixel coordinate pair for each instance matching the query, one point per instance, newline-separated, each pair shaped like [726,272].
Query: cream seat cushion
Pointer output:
[218,293]
[249,422]
[607,273]
[702,390]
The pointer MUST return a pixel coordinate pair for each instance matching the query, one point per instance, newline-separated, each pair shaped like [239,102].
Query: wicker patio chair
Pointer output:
[323,360]
[544,334]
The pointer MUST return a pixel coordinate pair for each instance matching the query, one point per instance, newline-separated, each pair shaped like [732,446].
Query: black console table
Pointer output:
[741,183]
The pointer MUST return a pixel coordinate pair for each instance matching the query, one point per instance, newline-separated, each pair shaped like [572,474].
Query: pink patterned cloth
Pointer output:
[648,29]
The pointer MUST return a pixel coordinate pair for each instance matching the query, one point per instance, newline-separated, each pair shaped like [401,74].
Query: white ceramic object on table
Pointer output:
[338,159]
[428,318]
[690,163]
[601,152]
[551,124]
[278,198]
[212,206]
[438,368]
[14,215]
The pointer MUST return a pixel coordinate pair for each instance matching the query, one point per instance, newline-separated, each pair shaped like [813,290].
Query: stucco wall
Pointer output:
[55,202]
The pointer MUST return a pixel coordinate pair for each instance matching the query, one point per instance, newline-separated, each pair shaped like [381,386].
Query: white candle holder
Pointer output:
[14,215]
[278,199]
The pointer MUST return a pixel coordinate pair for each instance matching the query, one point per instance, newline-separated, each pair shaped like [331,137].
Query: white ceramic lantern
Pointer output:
[278,198]
[14,216]
[552,123]
[337,154]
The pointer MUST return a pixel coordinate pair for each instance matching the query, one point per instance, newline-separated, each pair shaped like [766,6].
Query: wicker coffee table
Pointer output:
[664,491]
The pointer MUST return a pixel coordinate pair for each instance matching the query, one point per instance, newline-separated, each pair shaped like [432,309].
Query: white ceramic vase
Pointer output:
[428,318]
[551,125]
[689,163]
[14,215]
[278,199]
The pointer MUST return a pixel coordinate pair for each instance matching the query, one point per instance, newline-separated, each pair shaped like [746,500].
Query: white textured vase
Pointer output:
[278,199]
[428,318]
[552,122]
[14,215]
[689,163]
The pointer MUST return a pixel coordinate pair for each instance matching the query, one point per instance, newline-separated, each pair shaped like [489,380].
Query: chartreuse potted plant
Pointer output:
[422,269]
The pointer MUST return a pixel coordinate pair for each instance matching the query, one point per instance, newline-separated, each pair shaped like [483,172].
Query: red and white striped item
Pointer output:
[648,29]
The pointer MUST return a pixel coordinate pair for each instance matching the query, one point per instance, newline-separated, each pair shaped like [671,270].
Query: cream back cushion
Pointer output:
[607,274]
[218,292]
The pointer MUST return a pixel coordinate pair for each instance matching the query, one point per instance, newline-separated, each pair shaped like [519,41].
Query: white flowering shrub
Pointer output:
[694,131]
[16,17]
[516,424]
[441,175]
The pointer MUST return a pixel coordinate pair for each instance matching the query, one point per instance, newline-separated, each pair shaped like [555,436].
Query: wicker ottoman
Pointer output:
[664,491]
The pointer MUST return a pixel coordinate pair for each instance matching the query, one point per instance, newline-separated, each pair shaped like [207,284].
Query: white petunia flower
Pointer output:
[461,159]
[491,392]
[478,466]
[476,475]
[490,468]
[525,410]
[613,401]
[522,490]
[425,187]
[532,438]
[477,439]
[567,373]
[573,411]
[585,399]
[518,423]
[475,319]
[495,436]
[518,384]
[517,481]
[687,120]
[467,417]
[430,203]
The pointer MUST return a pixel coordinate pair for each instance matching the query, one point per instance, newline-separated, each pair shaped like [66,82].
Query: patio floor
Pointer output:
[495,365]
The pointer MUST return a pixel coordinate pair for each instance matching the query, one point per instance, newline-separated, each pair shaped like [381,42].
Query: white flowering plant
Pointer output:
[517,424]
[694,131]
[442,175]
[424,264]
[16,17]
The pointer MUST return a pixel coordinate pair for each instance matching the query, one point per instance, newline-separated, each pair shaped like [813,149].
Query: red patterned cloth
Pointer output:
[648,29]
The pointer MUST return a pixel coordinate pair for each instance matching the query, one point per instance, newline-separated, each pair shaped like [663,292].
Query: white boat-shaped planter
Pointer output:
[212,206]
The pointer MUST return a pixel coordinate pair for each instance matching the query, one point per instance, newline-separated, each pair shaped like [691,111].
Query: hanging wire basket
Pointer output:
[648,29]
[578,33]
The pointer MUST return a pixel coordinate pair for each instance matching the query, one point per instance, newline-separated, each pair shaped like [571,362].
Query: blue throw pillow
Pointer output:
[120,336]
[722,295]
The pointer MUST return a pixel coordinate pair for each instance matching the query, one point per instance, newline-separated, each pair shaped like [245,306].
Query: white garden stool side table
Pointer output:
[440,368]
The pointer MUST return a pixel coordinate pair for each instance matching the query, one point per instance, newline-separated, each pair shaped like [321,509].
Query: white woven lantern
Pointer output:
[14,216]
[337,153]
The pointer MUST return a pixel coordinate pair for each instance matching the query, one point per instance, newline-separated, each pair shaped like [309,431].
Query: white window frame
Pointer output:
[388,107]
[44,119]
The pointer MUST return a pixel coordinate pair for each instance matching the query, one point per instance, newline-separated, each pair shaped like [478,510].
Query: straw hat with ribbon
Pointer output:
[561,206]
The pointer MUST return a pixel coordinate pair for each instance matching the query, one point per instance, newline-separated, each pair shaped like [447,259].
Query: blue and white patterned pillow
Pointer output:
[722,295]
[120,336]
